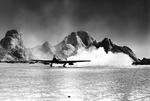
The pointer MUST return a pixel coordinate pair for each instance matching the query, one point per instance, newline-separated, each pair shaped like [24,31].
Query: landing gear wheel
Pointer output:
[64,65]
[51,65]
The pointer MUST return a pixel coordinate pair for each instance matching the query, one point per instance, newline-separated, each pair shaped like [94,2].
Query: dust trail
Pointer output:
[99,57]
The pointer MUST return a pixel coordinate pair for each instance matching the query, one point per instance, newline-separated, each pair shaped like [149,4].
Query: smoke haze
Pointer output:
[126,22]
[99,57]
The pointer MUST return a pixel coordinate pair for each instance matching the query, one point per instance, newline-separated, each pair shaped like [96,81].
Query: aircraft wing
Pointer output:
[42,61]
[60,61]
[70,62]
[74,61]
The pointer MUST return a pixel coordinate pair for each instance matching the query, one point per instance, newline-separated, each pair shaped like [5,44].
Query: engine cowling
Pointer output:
[70,63]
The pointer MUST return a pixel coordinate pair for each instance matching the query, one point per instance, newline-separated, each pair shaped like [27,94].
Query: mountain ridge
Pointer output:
[12,48]
[81,39]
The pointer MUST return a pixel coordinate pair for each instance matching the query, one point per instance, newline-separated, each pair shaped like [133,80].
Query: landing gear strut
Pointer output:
[51,65]
[64,65]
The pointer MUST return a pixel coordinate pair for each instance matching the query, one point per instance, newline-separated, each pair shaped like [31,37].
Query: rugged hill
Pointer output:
[74,41]
[11,46]
[43,51]
[79,39]
[108,45]
[82,39]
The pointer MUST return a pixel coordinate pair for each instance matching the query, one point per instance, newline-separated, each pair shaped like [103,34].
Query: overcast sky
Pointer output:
[126,22]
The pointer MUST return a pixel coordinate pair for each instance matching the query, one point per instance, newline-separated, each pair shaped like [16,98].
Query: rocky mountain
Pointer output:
[72,43]
[44,51]
[79,39]
[11,46]
[108,45]
[65,48]
[82,39]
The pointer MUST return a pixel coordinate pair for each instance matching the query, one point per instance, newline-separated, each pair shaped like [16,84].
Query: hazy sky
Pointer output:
[126,22]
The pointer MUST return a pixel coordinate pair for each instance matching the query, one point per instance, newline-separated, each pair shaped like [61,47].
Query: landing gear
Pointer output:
[64,65]
[51,65]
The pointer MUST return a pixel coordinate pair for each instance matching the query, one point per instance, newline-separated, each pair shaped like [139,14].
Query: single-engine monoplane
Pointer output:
[59,61]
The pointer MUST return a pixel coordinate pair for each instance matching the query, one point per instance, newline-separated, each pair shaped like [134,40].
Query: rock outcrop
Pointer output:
[144,61]
[108,45]
[12,47]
